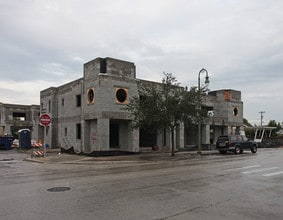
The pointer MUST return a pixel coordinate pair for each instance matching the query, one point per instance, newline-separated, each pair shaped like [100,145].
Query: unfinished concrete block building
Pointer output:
[88,113]
[15,117]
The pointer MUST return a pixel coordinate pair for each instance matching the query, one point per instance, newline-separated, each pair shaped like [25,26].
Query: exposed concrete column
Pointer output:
[103,134]
[134,137]
[180,136]
[159,139]
[124,136]
[205,134]
[168,143]
[85,134]
[164,139]
[7,129]
[242,131]
[232,130]
[227,130]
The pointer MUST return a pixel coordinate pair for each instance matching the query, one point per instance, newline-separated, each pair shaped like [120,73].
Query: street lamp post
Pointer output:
[199,106]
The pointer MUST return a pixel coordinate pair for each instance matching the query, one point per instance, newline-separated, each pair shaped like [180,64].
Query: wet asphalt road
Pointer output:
[247,186]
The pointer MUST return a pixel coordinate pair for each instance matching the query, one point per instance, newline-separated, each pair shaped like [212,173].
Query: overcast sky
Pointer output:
[240,42]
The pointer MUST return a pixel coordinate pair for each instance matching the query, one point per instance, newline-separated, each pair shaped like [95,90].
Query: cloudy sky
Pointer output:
[240,43]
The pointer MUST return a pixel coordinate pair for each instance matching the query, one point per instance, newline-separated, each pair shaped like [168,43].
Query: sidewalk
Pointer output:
[54,156]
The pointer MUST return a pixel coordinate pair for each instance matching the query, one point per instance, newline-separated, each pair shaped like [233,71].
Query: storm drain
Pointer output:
[59,189]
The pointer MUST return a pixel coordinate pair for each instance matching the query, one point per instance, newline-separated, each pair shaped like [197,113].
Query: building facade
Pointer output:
[16,117]
[89,113]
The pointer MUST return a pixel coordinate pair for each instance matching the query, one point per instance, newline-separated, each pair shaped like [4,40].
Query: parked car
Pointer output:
[235,143]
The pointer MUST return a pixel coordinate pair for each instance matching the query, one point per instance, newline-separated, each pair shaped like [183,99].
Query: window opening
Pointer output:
[90,96]
[235,112]
[19,116]
[121,95]
[103,66]
[78,131]
[49,106]
[78,101]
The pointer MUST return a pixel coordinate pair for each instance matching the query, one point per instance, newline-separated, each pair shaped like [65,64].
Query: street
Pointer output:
[245,186]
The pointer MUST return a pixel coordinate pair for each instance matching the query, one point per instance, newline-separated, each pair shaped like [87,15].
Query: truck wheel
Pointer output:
[254,149]
[237,150]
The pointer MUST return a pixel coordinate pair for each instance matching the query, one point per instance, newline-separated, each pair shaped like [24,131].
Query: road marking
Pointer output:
[273,174]
[256,171]
[242,168]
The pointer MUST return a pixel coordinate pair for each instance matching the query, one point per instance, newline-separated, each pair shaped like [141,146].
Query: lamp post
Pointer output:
[199,105]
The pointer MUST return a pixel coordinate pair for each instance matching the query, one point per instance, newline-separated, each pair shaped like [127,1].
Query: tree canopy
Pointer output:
[247,123]
[164,106]
[273,123]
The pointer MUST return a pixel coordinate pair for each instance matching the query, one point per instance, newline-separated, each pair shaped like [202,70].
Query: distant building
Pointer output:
[88,113]
[15,117]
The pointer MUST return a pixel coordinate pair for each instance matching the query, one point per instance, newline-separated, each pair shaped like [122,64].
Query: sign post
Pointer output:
[45,121]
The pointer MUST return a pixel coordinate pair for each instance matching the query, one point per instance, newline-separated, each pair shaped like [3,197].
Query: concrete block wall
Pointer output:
[105,81]
[104,77]
[120,74]
[69,114]
[8,122]
[48,105]
[228,107]
[228,112]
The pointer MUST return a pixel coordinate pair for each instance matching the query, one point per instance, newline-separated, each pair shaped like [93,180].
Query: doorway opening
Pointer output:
[114,135]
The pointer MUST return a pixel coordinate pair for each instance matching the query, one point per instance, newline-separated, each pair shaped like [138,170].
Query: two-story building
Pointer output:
[15,117]
[88,113]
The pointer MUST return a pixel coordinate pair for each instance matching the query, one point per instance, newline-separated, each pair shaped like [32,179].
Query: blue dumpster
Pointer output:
[24,139]
[6,142]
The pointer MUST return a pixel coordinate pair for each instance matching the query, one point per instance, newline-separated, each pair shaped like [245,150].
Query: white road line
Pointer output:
[273,174]
[242,168]
[256,171]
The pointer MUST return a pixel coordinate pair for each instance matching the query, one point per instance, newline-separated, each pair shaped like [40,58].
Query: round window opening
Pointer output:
[121,95]
[90,95]
[236,111]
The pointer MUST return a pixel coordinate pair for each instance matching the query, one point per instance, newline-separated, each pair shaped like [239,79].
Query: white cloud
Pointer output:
[239,42]
[26,93]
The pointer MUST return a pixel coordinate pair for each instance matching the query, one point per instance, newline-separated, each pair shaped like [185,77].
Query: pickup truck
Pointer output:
[235,143]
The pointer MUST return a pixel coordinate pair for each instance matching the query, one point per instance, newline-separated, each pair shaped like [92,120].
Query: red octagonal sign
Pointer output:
[45,119]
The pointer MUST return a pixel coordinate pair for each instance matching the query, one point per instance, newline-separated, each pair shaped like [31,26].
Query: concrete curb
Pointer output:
[143,158]
[33,160]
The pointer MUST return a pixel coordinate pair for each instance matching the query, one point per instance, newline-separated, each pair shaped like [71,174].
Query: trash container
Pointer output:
[24,139]
[6,142]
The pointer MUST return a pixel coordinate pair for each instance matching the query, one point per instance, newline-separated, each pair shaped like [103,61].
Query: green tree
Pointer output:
[246,122]
[273,123]
[164,106]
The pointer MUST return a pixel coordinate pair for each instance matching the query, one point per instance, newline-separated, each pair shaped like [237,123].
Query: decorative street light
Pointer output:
[199,105]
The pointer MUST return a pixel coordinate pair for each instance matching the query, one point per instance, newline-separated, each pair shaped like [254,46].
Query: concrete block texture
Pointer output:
[89,113]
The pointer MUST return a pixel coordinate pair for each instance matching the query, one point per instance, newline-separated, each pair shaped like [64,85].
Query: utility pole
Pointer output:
[261,117]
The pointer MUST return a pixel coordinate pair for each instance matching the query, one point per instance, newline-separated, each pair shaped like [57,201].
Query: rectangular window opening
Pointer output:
[49,106]
[78,101]
[19,116]
[78,126]
[103,66]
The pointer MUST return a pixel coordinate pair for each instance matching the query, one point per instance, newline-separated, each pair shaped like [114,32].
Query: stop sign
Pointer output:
[45,119]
